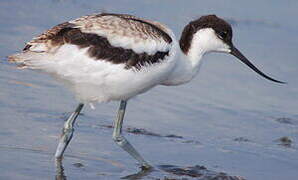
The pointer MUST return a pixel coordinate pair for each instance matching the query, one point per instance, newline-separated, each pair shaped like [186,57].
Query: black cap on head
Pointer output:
[220,26]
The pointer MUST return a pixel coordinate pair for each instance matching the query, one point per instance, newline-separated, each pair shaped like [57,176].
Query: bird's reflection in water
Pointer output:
[60,175]
[196,171]
[139,175]
[59,170]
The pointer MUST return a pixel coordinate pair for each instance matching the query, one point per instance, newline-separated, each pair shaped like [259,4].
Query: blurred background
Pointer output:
[228,118]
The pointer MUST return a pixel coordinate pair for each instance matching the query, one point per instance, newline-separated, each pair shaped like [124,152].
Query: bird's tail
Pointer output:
[17,59]
[29,59]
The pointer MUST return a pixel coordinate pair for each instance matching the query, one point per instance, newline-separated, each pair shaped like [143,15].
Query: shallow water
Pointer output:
[227,119]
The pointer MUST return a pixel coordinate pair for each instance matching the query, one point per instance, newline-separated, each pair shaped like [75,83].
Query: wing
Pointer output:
[117,38]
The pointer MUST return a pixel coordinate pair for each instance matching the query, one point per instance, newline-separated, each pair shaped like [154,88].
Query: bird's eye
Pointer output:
[222,34]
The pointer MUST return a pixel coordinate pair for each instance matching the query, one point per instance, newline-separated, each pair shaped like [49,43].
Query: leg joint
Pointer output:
[67,130]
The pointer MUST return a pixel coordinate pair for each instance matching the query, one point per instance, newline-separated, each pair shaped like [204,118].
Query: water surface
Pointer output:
[230,119]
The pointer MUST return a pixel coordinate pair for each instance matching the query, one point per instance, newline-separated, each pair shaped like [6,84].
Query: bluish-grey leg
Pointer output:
[121,141]
[67,132]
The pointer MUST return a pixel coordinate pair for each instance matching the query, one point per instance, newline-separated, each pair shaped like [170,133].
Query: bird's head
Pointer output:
[213,34]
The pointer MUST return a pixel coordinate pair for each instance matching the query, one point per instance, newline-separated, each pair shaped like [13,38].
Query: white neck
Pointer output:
[188,65]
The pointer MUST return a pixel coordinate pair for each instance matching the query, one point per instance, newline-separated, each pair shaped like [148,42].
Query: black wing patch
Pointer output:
[101,49]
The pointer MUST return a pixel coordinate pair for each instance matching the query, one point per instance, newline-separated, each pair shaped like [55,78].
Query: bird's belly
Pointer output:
[115,82]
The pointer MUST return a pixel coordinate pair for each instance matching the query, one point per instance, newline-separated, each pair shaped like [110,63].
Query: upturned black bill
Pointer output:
[235,52]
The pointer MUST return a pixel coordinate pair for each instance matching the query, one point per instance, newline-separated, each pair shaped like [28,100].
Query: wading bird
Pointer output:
[114,57]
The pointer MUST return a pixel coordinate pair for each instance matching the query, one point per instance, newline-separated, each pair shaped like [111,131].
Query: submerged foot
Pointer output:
[145,171]
[145,167]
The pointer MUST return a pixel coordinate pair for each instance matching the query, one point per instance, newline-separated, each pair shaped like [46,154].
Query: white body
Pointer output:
[101,81]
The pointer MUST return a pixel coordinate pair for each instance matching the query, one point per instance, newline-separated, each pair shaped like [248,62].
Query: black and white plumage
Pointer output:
[98,56]
[111,37]
[106,57]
